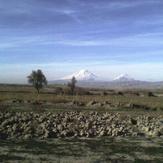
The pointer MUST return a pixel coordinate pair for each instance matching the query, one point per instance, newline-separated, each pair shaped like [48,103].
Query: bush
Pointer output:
[59,91]
[104,93]
[151,94]
[120,93]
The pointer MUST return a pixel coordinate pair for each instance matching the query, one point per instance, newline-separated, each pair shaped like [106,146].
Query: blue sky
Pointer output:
[108,37]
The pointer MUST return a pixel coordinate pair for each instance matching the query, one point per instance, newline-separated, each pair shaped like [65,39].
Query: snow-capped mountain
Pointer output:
[124,78]
[123,81]
[82,75]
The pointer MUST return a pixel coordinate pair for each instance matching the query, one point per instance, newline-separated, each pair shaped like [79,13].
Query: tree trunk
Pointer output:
[38,90]
[38,94]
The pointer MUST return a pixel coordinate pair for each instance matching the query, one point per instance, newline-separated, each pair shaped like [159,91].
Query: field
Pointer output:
[83,150]
[23,98]
[50,96]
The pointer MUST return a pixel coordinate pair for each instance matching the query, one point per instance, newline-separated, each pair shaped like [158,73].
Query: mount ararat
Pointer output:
[86,78]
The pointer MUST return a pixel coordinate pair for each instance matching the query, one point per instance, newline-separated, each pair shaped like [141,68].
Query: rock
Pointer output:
[91,103]
[129,105]
[134,134]
[133,121]
[27,136]
[161,131]
[146,129]
[154,133]
[141,134]
[75,103]
[76,124]
[98,105]
[46,134]
[102,133]
[64,133]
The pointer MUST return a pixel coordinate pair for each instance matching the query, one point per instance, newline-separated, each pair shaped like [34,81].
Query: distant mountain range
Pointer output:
[86,75]
[86,78]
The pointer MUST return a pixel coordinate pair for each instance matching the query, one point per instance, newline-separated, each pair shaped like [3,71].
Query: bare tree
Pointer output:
[72,85]
[37,79]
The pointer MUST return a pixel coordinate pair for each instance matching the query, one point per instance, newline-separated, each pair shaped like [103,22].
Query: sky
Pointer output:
[107,37]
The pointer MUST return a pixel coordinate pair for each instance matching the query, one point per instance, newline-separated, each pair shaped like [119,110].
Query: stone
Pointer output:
[133,121]
[27,136]
[91,103]
[45,125]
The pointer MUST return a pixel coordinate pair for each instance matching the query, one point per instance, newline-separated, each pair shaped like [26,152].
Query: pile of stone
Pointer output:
[28,125]
[105,104]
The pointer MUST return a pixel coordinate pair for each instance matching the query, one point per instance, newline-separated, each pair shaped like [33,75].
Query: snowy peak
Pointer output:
[82,75]
[124,78]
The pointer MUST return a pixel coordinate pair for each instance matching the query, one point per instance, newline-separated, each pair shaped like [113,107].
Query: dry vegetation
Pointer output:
[60,94]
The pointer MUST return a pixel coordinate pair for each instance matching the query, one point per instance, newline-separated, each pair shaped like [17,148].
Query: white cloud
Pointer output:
[116,5]
[139,40]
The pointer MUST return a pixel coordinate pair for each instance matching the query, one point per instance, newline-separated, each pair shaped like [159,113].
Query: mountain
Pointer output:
[87,79]
[124,78]
[82,75]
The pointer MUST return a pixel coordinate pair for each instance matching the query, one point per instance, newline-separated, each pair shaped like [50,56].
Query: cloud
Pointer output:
[35,13]
[123,4]
[39,13]
[139,40]
[17,42]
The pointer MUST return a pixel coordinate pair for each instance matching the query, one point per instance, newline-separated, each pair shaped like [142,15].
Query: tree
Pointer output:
[37,79]
[72,85]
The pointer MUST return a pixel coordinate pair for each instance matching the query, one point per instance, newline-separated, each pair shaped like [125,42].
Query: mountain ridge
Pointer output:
[86,78]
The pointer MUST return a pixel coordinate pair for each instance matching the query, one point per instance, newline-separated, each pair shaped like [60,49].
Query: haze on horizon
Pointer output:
[107,37]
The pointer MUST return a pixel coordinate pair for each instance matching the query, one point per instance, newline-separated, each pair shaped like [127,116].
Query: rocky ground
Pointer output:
[28,125]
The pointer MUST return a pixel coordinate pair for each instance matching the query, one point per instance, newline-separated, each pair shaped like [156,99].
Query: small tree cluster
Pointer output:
[38,80]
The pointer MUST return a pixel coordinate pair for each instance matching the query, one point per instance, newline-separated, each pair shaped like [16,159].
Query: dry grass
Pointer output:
[28,93]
